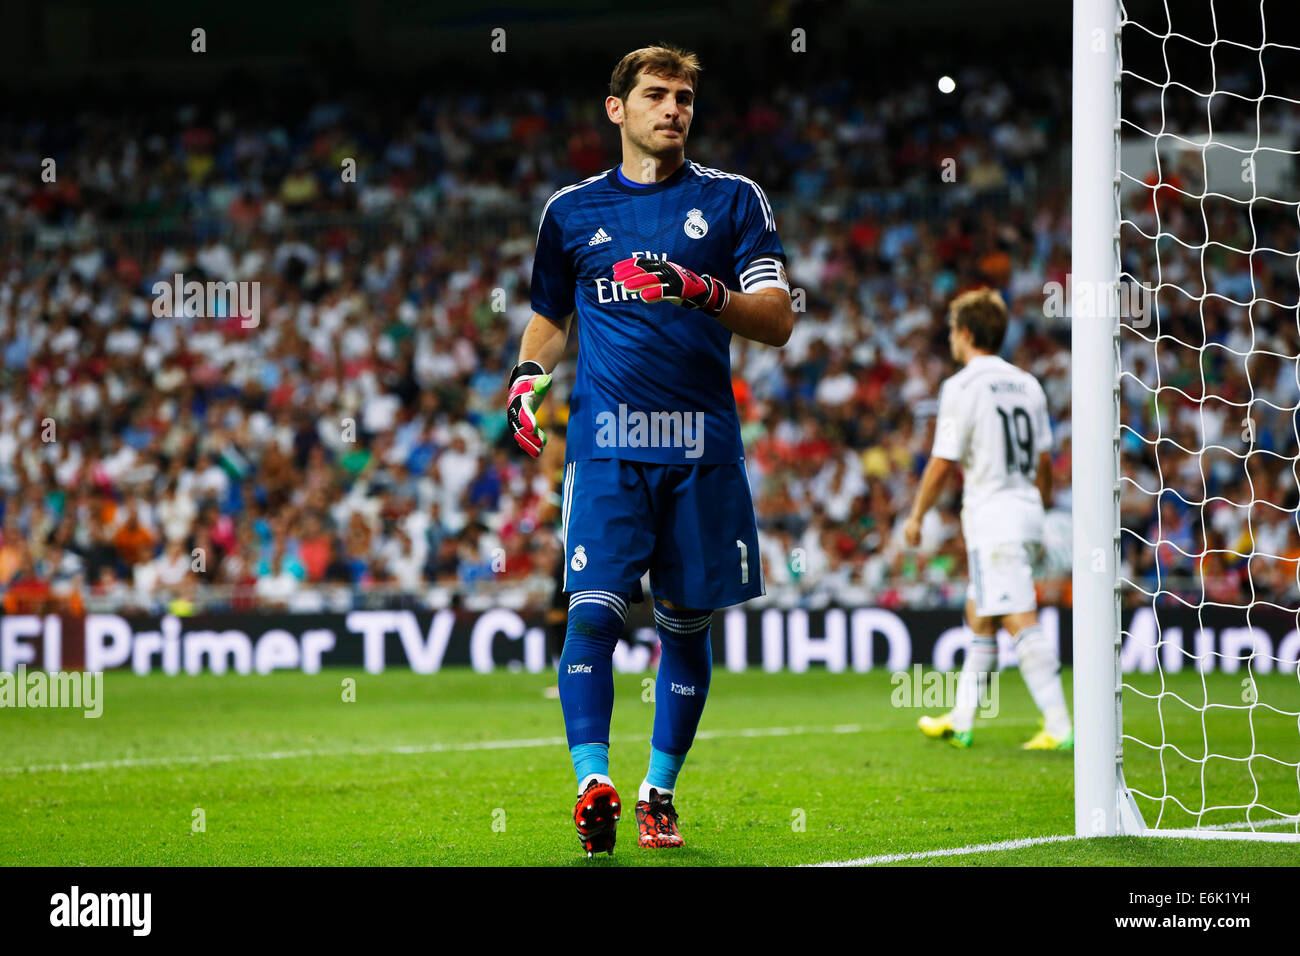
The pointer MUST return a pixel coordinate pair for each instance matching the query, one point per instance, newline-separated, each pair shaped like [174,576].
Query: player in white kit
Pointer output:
[993,421]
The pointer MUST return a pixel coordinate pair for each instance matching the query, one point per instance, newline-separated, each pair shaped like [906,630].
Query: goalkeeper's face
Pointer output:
[656,116]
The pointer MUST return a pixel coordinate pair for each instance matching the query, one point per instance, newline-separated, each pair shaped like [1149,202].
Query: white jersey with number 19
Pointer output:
[993,420]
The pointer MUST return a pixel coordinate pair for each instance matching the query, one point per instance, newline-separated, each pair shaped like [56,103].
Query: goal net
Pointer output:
[1203,310]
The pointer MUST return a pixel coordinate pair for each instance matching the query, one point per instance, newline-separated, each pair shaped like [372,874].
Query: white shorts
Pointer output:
[1002,577]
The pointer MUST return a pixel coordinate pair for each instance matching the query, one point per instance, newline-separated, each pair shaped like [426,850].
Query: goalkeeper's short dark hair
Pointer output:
[983,312]
[667,61]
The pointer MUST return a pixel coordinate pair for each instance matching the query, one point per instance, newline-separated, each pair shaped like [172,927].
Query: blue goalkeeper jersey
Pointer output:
[654,380]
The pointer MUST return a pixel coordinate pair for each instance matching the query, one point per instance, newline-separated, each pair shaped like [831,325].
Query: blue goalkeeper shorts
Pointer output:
[691,526]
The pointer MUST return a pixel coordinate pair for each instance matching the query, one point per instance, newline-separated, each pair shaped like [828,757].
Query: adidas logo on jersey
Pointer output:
[600,236]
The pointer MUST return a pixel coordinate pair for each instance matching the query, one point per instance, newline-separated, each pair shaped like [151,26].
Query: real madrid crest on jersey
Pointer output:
[579,558]
[695,226]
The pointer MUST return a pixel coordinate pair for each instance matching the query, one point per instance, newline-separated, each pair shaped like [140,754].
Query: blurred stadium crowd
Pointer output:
[1210,498]
[350,446]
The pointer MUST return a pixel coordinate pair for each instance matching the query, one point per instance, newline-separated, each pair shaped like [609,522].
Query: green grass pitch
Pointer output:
[460,768]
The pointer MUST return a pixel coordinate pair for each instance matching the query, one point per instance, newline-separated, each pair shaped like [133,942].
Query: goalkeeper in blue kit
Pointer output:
[661,260]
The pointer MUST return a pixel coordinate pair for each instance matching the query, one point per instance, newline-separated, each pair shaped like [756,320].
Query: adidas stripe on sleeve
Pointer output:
[759,257]
[553,285]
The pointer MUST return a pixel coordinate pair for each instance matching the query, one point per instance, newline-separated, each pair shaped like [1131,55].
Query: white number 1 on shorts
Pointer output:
[744,561]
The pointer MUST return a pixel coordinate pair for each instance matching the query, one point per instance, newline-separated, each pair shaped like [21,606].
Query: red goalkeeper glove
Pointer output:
[528,386]
[659,281]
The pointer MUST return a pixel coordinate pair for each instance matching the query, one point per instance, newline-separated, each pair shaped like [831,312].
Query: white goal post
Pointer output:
[1098,758]
[1105,804]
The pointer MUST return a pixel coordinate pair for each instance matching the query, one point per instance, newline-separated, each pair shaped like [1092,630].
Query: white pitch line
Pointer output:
[952,851]
[1245,824]
[1205,832]
[408,749]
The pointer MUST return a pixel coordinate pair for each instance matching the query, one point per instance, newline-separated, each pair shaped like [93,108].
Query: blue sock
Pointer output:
[586,675]
[685,666]
[589,759]
[664,769]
